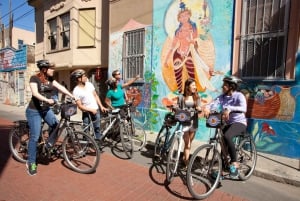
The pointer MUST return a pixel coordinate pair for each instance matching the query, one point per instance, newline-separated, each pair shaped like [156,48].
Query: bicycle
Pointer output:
[79,150]
[207,162]
[182,116]
[118,122]
[164,138]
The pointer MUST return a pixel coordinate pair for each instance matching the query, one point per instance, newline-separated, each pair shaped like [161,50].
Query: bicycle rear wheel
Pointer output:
[139,136]
[173,159]
[80,151]
[126,138]
[204,171]
[246,156]
[18,140]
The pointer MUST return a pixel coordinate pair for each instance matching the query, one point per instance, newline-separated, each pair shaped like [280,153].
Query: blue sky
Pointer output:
[23,14]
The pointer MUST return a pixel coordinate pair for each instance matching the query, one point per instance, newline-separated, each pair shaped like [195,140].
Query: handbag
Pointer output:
[214,120]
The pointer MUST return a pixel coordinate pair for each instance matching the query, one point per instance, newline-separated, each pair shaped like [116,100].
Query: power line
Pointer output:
[13,10]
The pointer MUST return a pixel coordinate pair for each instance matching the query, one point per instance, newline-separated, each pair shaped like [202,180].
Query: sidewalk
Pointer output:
[272,167]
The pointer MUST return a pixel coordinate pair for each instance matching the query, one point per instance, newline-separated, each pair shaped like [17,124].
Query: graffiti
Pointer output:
[11,59]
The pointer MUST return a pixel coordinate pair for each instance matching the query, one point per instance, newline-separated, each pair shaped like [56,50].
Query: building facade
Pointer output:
[16,65]
[257,41]
[73,34]
[165,42]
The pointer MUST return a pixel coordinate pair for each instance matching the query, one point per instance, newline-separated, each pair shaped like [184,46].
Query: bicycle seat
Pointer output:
[115,111]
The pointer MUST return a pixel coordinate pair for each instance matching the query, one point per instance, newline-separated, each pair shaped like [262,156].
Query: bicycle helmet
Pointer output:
[111,82]
[44,64]
[77,74]
[232,81]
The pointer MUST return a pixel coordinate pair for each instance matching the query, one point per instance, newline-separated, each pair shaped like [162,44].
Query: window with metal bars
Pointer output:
[263,39]
[133,53]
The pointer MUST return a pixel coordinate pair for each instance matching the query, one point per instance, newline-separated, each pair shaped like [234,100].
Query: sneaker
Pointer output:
[234,174]
[214,175]
[31,169]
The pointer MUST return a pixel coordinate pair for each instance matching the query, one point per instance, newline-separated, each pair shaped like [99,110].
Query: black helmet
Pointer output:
[110,82]
[232,79]
[76,74]
[44,64]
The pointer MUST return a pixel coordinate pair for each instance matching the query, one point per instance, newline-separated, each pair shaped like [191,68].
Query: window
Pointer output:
[65,33]
[87,25]
[265,39]
[20,43]
[53,34]
[59,26]
[133,53]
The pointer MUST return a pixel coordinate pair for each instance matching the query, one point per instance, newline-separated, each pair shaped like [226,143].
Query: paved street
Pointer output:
[120,179]
[115,179]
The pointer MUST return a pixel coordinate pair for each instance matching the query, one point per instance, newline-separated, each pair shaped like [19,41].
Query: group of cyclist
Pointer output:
[233,105]
[44,88]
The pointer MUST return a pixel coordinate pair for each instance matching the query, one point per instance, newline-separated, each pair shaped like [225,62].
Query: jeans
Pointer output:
[34,118]
[96,121]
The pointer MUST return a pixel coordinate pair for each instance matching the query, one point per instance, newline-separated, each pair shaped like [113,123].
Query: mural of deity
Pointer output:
[188,51]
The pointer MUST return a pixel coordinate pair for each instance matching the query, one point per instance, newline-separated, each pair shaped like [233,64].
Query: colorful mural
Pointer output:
[193,38]
[187,33]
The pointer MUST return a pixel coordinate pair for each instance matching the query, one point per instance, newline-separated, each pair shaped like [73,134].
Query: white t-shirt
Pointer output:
[86,95]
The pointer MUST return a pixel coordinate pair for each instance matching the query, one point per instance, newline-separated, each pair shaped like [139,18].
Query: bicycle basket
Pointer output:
[214,120]
[183,116]
[170,119]
[68,110]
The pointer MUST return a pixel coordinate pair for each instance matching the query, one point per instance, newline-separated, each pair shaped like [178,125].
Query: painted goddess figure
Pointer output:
[183,54]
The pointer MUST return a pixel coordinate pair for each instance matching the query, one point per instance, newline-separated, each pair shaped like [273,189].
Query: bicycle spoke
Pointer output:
[204,171]
[126,139]
[18,144]
[139,137]
[81,152]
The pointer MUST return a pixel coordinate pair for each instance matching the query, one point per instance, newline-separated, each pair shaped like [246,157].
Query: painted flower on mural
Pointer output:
[264,137]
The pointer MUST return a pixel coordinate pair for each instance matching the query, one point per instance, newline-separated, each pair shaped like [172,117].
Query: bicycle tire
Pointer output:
[204,171]
[160,146]
[80,151]
[173,159]
[247,157]
[126,138]
[18,143]
[139,137]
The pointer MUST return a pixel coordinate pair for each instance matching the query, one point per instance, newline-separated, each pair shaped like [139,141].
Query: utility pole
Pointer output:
[10,24]
[1,31]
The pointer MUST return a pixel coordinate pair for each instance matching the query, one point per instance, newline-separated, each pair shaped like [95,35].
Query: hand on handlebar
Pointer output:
[206,112]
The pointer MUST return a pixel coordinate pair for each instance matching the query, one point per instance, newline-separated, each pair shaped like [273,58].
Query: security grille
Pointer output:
[133,53]
[264,39]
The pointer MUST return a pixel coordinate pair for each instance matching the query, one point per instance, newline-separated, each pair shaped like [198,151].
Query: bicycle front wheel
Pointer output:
[173,159]
[161,145]
[80,152]
[139,136]
[126,138]
[204,171]
[246,156]
[18,140]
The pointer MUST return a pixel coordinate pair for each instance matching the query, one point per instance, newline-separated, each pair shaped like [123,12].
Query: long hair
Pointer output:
[186,91]
[43,75]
